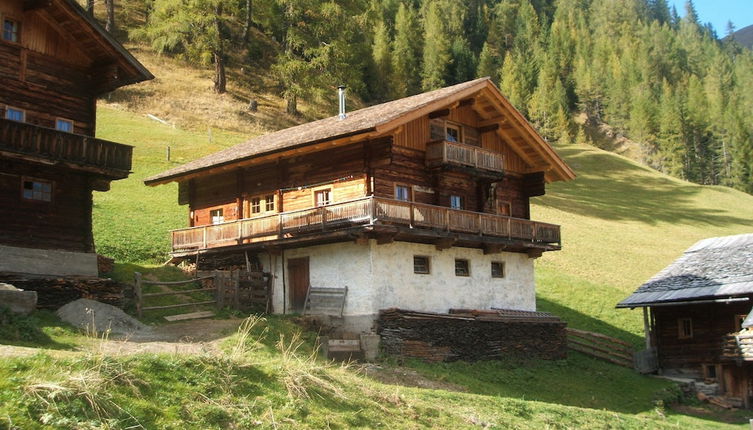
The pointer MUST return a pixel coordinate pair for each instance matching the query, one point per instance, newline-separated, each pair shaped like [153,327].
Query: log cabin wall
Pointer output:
[344,171]
[62,223]
[710,322]
[44,73]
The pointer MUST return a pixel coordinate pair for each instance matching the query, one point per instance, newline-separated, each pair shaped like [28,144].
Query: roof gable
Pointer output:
[74,35]
[383,119]
[715,267]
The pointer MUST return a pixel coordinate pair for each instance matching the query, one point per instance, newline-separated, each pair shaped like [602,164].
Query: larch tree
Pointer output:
[436,53]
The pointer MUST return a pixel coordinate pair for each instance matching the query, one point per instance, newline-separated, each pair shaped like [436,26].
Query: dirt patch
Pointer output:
[407,378]
[714,413]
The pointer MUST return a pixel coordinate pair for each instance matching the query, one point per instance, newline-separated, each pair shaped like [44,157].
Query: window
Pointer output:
[34,189]
[461,267]
[14,114]
[10,30]
[402,192]
[453,133]
[216,215]
[498,269]
[269,203]
[684,328]
[420,264]
[456,202]
[255,205]
[322,197]
[64,125]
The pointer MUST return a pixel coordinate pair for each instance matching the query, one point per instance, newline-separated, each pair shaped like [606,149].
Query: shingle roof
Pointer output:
[712,268]
[323,129]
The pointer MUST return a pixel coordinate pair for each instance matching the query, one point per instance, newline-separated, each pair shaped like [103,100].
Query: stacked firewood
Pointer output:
[104,264]
[53,293]
[472,335]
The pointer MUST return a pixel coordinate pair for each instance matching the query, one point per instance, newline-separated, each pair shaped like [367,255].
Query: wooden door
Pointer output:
[298,275]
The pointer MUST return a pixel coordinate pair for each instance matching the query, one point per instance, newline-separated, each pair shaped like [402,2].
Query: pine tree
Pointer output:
[436,49]
[406,50]
[382,57]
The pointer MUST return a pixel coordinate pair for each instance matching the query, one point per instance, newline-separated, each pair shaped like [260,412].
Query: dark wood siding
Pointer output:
[710,323]
[64,223]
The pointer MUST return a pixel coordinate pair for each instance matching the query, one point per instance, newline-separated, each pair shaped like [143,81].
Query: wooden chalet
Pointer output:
[443,175]
[694,312]
[54,61]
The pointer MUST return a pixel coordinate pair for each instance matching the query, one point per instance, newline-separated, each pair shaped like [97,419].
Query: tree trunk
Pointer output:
[247,21]
[219,54]
[292,104]
[110,22]
[219,73]
[90,7]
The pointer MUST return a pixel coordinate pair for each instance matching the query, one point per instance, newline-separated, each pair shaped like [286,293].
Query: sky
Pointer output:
[718,12]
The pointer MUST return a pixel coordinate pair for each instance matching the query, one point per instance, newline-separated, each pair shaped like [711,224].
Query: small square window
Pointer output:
[498,269]
[64,125]
[323,197]
[456,202]
[402,192]
[10,30]
[421,264]
[453,133]
[217,216]
[15,114]
[37,190]
[269,203]
[255,205]
[684,328]
[461,267]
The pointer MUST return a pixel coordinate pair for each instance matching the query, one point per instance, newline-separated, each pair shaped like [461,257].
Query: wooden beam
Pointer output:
[439,113]
[273,250]
[385,238]
[535,253]
[493,249]
[467,102]
[501,119]
[36,4]
[444,243]
[488,128]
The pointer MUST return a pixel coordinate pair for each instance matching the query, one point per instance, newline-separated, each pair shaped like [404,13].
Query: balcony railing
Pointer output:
[33,140]
[443,152]
[363,211]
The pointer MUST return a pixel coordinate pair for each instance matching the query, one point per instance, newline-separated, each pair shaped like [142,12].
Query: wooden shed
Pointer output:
[694,311]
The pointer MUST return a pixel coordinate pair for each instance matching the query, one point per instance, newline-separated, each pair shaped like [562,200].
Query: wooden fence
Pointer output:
[600,346]
[236,289]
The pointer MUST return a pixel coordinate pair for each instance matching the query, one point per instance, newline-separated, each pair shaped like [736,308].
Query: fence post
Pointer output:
[137,293]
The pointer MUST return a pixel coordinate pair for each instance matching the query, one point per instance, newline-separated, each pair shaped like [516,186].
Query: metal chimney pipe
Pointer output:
[341,97]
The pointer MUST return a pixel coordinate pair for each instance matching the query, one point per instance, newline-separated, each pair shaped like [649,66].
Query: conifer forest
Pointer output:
[672,84]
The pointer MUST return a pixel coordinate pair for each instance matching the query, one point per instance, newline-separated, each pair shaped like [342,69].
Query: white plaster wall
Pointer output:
[47,261]
[441,290]
[333,266]
[381,276]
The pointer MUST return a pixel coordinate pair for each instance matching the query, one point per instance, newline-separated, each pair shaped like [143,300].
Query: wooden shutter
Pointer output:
[470,136]
[436,127]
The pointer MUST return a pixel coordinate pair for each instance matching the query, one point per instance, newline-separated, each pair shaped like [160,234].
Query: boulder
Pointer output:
[96,317]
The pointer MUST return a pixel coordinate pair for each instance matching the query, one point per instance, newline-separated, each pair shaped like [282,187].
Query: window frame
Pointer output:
[17,30]
[460,200]
[51,183]
[270,198]
[681,332]
[9,108]
[408,189]
[255,205]
[64,120]
[321,191]
[428,265]
[220,214]
[448,125]
[502,267]
[467,264]
[739,319]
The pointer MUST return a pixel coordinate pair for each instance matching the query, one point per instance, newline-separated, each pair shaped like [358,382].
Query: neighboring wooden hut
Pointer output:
[54,62]
[695,307]
[421,203]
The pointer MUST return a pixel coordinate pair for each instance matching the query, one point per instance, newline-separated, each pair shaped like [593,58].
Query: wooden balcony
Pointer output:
[441,152]
[82,152]
[367,211]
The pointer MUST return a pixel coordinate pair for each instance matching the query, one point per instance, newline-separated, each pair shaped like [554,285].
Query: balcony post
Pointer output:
[447,219]
[204,241]
[240,231]
[279,226]
[412,216]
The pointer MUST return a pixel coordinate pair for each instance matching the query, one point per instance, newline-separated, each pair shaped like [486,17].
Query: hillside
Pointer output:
[744,36]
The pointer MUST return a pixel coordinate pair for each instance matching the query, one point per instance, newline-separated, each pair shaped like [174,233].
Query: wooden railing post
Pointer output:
[137,293]
[239,239]
[412,216]
[204,241]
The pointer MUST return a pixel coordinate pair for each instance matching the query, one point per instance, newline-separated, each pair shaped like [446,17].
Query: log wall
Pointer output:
[710,323]
[64,223]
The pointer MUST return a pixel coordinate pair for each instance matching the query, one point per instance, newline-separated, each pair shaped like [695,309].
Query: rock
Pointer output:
[17,300]
[96,317]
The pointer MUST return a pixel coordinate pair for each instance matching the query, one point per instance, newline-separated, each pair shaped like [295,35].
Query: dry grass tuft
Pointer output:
[303,374]
[244,344]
